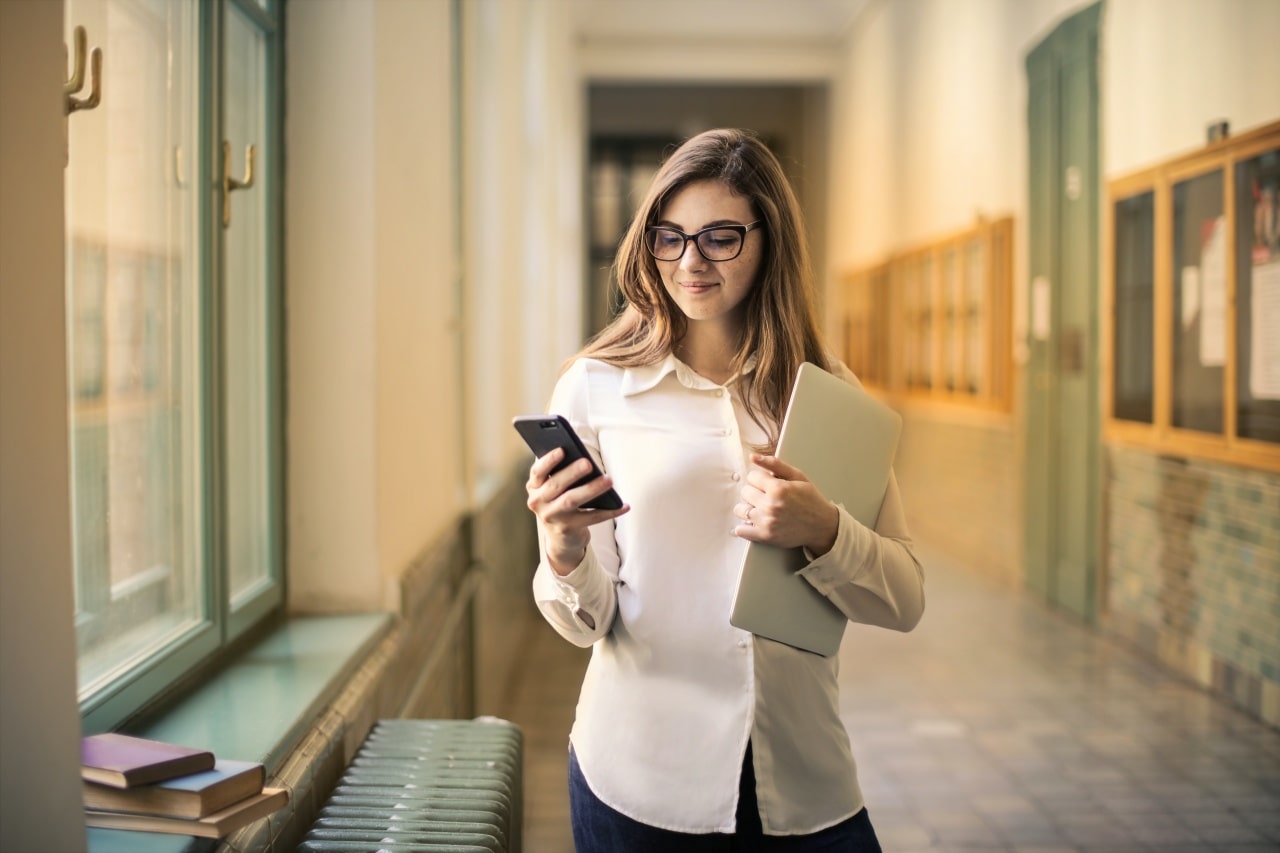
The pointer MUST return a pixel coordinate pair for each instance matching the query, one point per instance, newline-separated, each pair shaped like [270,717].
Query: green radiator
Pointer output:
[427,785]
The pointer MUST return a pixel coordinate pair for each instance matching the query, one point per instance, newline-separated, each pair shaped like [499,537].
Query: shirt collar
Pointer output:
[637,380]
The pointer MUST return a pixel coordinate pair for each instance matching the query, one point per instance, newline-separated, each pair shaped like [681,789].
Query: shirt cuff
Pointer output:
[581,592]
[846,559]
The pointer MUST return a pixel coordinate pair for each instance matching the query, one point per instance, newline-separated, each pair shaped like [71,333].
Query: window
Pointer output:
[621,170]
[934,322]
[1189,239]
[172,314]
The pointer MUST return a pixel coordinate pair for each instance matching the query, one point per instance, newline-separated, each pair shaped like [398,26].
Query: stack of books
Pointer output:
[151,786]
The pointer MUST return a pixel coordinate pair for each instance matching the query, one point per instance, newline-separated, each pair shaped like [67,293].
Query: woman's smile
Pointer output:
[710,291]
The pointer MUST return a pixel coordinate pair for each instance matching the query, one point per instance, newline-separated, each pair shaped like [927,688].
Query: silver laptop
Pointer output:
[844,440]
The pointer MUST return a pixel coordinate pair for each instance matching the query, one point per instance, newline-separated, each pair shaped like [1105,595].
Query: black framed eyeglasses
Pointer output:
[717,243]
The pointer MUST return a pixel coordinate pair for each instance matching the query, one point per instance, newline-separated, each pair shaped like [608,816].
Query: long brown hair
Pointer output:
[781,329]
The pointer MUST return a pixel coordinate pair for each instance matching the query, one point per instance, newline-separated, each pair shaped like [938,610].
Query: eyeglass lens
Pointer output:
[715,244]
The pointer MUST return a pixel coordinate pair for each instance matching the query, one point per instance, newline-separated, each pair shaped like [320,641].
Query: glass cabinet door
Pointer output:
[1133,339]
[1199,322]
[1257,248]
[976,277]
[953,350]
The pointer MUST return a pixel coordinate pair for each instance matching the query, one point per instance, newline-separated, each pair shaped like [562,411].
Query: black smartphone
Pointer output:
[544,433]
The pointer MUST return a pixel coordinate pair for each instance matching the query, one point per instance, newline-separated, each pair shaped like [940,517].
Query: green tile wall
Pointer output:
[1192,562]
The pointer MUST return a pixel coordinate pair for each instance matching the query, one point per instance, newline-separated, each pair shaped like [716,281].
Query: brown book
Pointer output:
[215,825]
[123,761]
[192,796]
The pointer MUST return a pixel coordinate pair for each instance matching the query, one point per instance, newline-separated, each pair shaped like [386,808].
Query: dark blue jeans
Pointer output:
[600,829]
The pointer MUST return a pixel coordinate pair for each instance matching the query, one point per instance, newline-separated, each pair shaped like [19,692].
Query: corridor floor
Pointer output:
[995,725]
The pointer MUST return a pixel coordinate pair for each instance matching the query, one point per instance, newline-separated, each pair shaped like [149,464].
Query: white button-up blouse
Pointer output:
[673,692]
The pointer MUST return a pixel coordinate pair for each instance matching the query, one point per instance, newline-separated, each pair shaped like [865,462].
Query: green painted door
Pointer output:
[1062,483]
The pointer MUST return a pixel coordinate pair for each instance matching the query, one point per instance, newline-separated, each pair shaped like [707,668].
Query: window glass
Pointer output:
[1257,192]
[1133,345]
[1198,322]
[246,315]
[133,261]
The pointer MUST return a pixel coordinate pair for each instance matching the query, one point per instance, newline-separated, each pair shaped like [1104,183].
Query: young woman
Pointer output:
[690,733]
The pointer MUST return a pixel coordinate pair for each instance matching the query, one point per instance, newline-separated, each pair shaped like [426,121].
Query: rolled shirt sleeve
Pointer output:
[873,576]
[579,605]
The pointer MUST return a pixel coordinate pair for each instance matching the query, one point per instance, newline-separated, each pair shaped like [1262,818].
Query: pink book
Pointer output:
[123,761]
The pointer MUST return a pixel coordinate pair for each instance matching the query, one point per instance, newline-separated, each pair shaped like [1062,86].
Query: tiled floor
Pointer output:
[995,725]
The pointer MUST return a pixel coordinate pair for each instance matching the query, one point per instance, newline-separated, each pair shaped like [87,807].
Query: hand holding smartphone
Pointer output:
[544,433]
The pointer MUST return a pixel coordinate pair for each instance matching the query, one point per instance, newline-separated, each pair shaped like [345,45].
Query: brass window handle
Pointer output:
[230,184]
[76,81]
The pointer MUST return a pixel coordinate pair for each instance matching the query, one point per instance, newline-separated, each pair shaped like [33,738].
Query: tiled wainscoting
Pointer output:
[1193,571]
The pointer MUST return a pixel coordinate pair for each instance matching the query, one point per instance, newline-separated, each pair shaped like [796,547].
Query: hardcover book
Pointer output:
[192,796]
[123,761]
[216,825]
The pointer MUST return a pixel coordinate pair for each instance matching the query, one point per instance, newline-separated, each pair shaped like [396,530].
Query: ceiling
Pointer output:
[716,21]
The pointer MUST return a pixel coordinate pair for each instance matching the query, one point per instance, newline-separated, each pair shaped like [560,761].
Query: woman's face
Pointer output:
[707,291]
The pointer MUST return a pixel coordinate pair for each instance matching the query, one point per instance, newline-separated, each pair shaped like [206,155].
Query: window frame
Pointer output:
[1161,436]
[206,644]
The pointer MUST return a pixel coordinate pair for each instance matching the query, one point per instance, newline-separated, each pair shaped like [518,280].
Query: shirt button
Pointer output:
[719,392]
[736,476]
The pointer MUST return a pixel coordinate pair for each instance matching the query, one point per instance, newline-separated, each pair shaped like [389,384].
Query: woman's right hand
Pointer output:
[559,508]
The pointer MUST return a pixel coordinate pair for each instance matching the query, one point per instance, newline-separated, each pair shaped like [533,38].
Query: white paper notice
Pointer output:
[1190,295]
[1040,308]
[1264,360]
[1213,297]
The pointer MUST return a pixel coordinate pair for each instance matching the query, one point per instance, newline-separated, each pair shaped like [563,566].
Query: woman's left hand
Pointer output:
[782,507]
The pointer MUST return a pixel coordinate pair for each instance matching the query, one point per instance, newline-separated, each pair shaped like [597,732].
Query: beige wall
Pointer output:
[414,335]
[330,307]
[523,245]
[373,437]
[1170,67]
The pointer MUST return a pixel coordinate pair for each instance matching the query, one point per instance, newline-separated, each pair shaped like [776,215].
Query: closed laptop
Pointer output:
[844,440]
